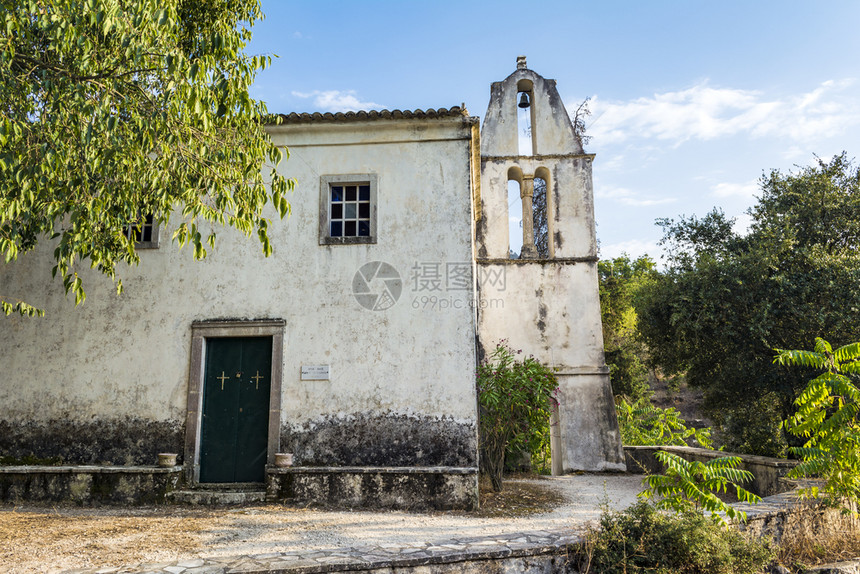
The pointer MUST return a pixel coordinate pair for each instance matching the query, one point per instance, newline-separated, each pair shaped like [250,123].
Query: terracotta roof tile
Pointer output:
[300,118]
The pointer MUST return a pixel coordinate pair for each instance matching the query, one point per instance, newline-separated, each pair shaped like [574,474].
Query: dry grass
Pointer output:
[517,498]
[800,548]
[31,540]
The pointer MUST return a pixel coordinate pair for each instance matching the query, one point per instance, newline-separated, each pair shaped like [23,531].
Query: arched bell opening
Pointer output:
[525,117]
[515,212]
[541,214]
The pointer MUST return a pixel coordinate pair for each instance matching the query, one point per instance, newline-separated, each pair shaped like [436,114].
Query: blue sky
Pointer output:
[691,101]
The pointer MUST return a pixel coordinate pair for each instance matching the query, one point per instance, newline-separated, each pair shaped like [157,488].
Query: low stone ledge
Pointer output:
[848,567]
[88,484]
[404,488]
[88,469]
[768,472]
[539,551]
[371,470]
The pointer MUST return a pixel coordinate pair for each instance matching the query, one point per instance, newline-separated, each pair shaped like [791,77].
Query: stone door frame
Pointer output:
[202,330]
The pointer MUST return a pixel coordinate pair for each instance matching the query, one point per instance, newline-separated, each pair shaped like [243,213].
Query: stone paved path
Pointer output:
[364,558]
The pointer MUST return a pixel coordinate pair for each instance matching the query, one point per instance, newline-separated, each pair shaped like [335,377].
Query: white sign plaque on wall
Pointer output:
[316,372]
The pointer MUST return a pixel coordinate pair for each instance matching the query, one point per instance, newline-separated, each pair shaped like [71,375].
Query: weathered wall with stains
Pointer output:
[548,307]
[108,381]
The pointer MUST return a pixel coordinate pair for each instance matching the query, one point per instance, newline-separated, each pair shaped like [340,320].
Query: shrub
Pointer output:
[515,400]
[827,416]
[641,539]
[693,486]
[641,423]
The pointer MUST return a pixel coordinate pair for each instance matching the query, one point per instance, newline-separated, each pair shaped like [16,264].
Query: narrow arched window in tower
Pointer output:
[515,219]
[539,218]
[515,212]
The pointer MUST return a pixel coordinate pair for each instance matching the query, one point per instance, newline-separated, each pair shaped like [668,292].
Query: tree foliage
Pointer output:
[644,424]
[118,109]
[688,486]
[619,280]
[827,418]
[515,399]
[727,299]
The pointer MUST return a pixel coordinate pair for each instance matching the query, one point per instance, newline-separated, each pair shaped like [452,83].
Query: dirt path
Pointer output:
[42,539]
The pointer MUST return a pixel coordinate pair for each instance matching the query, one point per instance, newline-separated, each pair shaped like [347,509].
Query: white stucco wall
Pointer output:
[128,355]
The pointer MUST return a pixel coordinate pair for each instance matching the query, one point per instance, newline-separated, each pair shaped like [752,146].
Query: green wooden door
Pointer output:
[235,426]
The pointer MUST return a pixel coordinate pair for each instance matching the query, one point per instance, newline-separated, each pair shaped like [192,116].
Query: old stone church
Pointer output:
[354,346]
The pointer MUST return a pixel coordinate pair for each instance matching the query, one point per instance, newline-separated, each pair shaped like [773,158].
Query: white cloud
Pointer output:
[703,112]
[745,190]
[338,101]
[628,197]
[794,153]
[633,248]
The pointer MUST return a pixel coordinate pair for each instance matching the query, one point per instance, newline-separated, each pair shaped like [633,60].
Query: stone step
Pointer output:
[208,497]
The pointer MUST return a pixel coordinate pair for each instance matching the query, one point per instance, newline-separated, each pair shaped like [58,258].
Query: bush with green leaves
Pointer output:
[516,399]
[642,423]
[641,539]
[827,416]
[689,486]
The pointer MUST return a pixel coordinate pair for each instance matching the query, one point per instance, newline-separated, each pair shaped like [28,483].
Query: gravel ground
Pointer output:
[43,539]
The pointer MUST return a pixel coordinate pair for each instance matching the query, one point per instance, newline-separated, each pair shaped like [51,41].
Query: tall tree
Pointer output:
[727,300]
[619,280]
[116,110]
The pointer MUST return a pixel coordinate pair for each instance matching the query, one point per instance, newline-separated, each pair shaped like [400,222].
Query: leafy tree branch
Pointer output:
[117,109]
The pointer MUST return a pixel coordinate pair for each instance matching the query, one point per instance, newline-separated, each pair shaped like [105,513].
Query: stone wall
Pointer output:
[404,488]
[768,472]
[88,485]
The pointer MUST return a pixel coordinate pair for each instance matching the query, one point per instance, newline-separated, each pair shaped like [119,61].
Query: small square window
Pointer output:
[144,233]
[348,209]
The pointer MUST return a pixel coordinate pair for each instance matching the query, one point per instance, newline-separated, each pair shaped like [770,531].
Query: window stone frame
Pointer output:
[326,182]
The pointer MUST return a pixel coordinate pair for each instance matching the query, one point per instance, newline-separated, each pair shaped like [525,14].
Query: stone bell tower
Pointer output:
[545,301]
